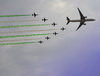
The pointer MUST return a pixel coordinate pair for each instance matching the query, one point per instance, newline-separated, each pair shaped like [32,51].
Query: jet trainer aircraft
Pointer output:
[82,20]
[44,19]
[55,33]
[54,24]
[40,42]
[63,28]
[34,14]
[47,38]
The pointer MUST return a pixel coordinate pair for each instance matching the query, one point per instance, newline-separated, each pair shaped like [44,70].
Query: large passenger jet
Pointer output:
[82,20]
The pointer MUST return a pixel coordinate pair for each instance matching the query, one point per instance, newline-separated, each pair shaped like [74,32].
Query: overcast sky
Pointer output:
[70,53]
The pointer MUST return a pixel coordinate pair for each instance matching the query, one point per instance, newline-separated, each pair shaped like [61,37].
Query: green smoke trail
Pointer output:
[14,36]
[15,15]
[16,26]
[17,43]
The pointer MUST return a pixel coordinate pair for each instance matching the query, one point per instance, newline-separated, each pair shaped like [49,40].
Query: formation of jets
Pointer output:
[44,19]
[82,20]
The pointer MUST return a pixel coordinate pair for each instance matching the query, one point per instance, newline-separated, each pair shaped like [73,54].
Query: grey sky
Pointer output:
[66,54]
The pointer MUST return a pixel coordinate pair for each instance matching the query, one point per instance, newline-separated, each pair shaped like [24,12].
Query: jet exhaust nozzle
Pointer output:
[68,21]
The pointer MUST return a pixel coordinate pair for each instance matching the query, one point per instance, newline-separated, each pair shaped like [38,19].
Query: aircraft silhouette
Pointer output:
[54,24]
[82,20]
[63,28]
[55,33]
[47,38]
[44,19]
[40,42]
[34,14]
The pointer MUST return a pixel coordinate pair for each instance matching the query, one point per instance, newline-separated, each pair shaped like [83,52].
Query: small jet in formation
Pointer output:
[55,33]
[63,28]
[44,19]
[40,42]
[34,14]
[54,24]
[82,20]
[47,38]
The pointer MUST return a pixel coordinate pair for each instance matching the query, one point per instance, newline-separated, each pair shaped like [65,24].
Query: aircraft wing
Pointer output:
[81,15]
[81,23]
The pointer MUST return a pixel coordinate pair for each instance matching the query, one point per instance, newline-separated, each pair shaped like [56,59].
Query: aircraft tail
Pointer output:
[68,21]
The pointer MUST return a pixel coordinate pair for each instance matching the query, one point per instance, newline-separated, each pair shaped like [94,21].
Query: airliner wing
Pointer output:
[81,23]
[81,15]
